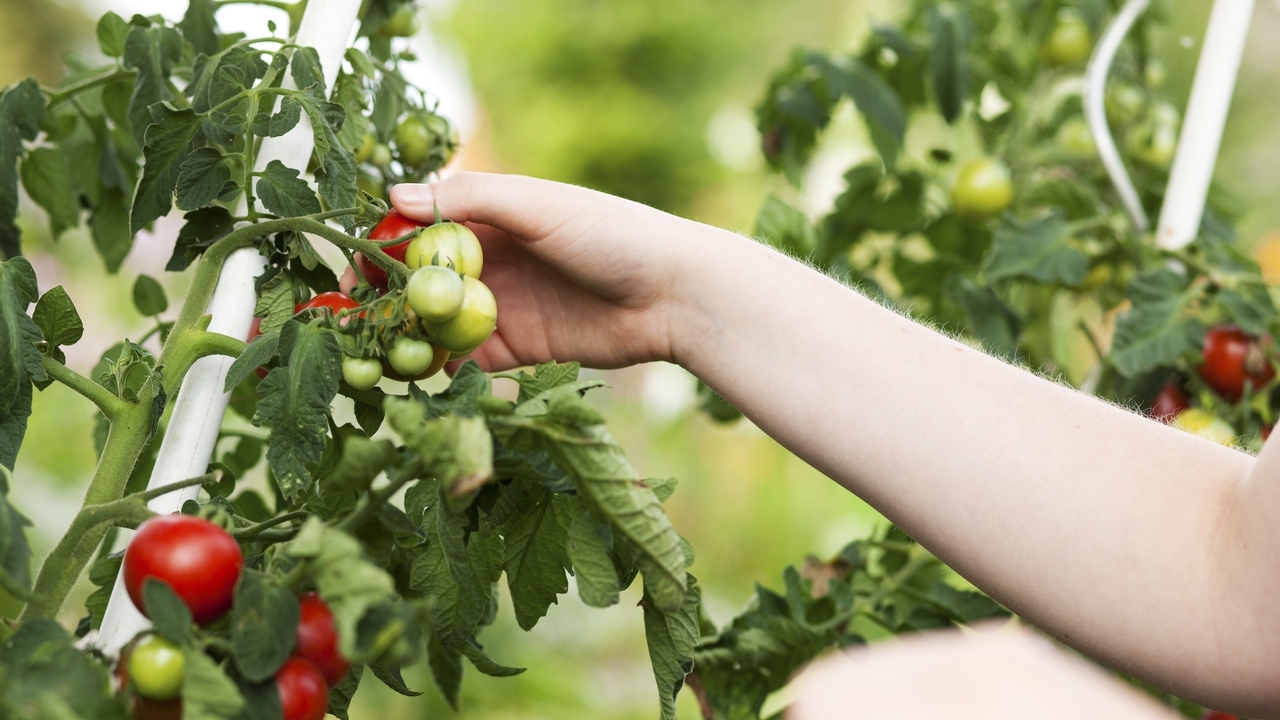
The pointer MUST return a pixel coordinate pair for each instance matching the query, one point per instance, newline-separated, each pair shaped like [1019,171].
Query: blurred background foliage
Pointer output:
[649,99]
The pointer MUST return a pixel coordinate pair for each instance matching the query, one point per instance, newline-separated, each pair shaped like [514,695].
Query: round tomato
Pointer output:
[318,638]
[450,244]
[361,373]
[435,293]
[367,144]
[304,694]
[334,302]
[410,357]
[155,668]
[198,560]
[380,156]
[403,23]
[1168,403]
[1075,138]
[1231,357]
[1070,42]
[392,226]
[1199,421]
[983,188]
[413,139]
[474,322]
[439,356]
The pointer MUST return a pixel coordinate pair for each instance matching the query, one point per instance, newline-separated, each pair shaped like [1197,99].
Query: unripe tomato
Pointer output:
[1230,358]
[1199,421]
[439,356]
[404,23]
[449,244]
[435,293]
[1168,403]
[304,694]
[198,560]
[1070,42]
[392,226]
[367,144]
[370,185]
[380,156]
[1124,103]
[413,140]
[318,638]
[1075,138]
[474,322]
[361,373]
[983,188]
[156,668]
[410,357]
[334,302]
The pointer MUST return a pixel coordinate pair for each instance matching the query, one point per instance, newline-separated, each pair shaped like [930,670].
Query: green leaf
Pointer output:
[457,451]
[880,106]
[671,638]
[1039,250]
[281,122]
[1155,331]
[168,144]
[42,665]
[537,557]
[340,695]
[152,50]
[485,665]
[112,31]
[15,552]
[57,318]
[275,304]
[22,109]
[284,193]
[20,359]
[200,28]
[13,425]
[455,574]
[148,296]
[169,616]
[950,36]
[261,699]
[361,462]
[446,670]
[201,178]
[203,228]
[264,622]
[785,228]
[590,548]
[102,573]
[1250,306]
[391,677]
[110,226]
[46,175]
[307,72]
[295,403]
[257,354]
[207,692]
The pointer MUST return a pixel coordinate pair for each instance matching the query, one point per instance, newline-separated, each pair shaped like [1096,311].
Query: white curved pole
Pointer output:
[1095,109]
[1206,116]
[197,413]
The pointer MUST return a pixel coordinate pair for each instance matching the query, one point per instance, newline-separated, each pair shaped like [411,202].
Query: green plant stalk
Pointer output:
[108,403]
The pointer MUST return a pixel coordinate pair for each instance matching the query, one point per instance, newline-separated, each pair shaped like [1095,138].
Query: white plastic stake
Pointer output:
[1206,116]
[197,413]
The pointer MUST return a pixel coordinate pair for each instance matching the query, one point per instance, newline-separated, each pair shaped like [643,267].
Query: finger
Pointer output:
[519,205]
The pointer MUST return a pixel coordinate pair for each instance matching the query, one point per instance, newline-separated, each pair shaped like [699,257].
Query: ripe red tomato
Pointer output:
[1169,403]
[334,302]
[304,695]
[1231,356]
[255,330]
[392,226]
[318,638]
[198,560]
[1217,715]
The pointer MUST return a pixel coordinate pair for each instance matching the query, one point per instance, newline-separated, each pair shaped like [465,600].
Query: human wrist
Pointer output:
[689,311]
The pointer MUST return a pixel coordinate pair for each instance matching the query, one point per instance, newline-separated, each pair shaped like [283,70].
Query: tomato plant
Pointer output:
[199,561]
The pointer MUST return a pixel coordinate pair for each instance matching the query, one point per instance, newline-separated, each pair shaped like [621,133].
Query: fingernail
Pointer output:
[412,196]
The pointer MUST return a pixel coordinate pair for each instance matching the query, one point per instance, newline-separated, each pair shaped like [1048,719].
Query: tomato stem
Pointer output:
[253,531]
[406,474]
[107,402]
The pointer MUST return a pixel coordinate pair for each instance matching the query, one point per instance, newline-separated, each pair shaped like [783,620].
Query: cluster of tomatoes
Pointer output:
[1233,362]
[201,564]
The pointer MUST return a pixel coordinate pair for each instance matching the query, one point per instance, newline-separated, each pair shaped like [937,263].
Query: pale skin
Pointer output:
[1146,548]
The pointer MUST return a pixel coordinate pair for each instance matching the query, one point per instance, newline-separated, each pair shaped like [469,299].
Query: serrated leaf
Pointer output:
[264,621]
[22,109]
[1250,306]
[1039,250]
[295,403]
[13,425]
[536,558]
[485,665]
[879,105]
[148,296]
[207,692]
[361,462]
[671,638]
[1154,331]
[340,695]
[458,451]
[57,318]
[200,28]
[203,228]
[590,547]
[947,55]
[46,175]
[112,31]
[255,355]
[455,575]
[102,573]
[275,303]
[151,50]
[284,193]
[15,552]
[168,143]
[170,617]
[201,178]
[446,670]
[307,71]
[279,123]
[109,224]
[20,359]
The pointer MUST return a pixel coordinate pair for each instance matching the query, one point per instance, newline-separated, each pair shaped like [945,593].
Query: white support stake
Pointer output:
[197,413]
[1206,116]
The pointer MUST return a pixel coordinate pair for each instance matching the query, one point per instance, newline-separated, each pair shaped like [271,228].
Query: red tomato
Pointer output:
[304,695]
[334,302]
[318,638]
[1266,431]
[1217,715]
[1230,357]
[198,560]
[392,226]
[1169,403]
[255,330]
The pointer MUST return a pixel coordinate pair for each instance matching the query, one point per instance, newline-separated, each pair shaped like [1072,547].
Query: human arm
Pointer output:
[1147,548]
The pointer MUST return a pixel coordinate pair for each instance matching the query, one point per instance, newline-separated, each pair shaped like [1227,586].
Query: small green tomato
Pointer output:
[983,189]
[156,668]
[474,323]
[435,293]
[361,373]
[410,357]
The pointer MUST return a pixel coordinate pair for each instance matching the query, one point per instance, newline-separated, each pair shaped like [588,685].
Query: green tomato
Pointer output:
[1155,139]
[404,23]
[1124,104]
[435,293]
[366,148]
[449,244]
[1070,42]
[361,373]
[413,140]
[410,357]
[380,156]
[371,185]
[1204,423]
[156,668]
[474,323]
[1075,138]
[983,189]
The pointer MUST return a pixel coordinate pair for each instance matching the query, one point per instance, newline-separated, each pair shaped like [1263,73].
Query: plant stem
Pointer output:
[376,499]
[108,403]
[253,531]
[70,91]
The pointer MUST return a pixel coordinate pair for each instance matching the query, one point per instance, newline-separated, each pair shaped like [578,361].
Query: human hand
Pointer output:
[578,274]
